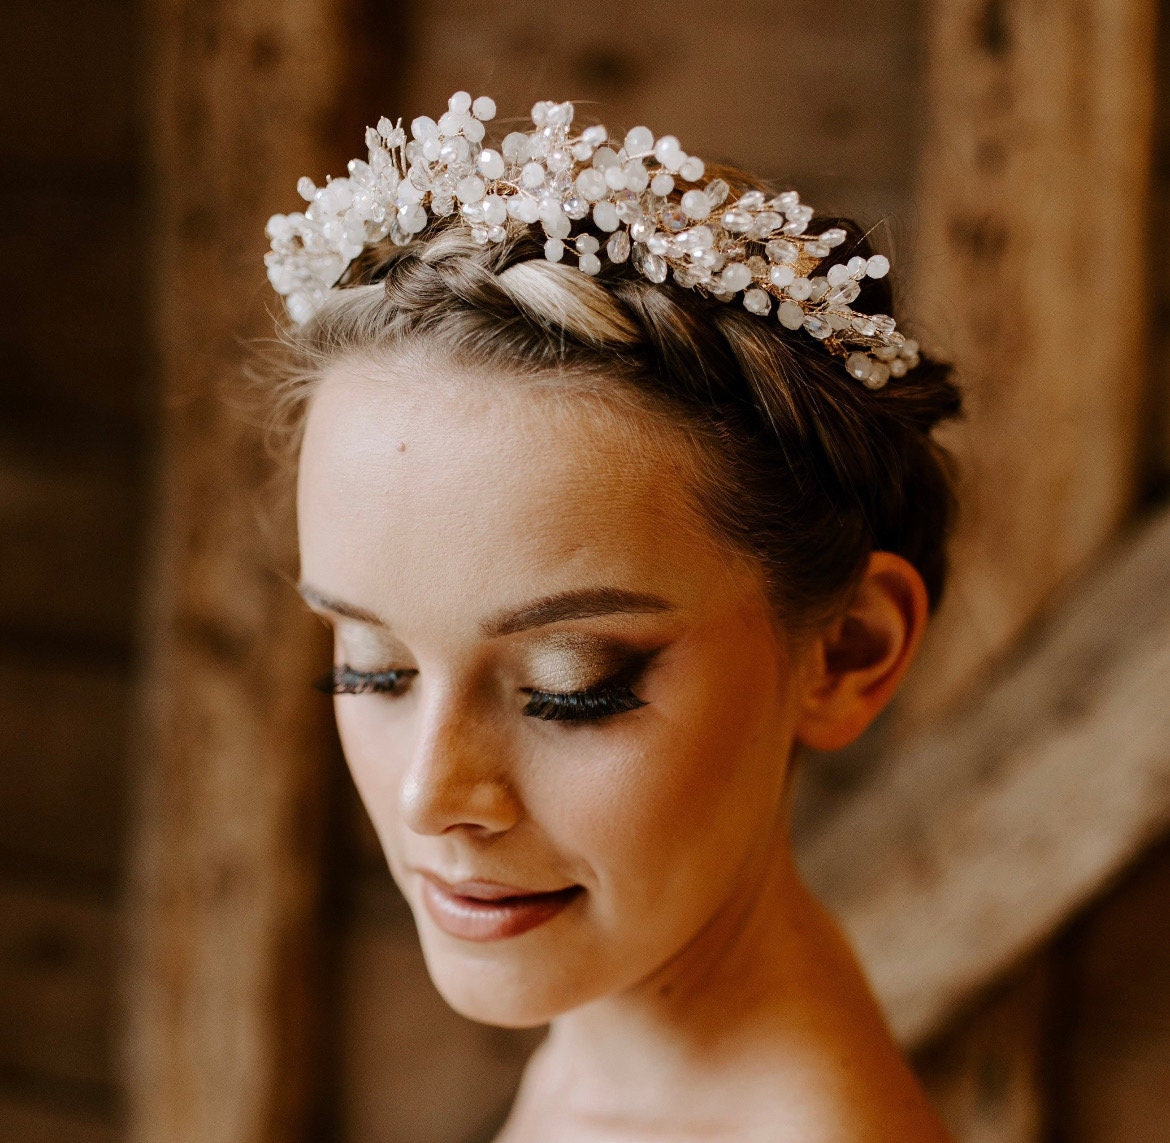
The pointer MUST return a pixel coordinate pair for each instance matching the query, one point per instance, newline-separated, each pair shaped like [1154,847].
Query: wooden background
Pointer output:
[199,940]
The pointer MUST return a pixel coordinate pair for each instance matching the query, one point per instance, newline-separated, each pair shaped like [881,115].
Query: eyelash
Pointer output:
[609,697]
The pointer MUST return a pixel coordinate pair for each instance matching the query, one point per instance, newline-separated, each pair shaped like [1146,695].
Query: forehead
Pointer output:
[418,477]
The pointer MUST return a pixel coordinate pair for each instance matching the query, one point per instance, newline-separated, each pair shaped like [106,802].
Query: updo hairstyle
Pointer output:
[802,467]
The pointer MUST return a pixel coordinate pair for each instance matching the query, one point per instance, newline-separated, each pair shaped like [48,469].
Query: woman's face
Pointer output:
[487,539]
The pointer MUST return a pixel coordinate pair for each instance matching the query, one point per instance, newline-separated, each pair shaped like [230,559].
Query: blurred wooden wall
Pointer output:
[182,161]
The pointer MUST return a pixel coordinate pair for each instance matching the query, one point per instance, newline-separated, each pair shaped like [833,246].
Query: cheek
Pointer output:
[667,808]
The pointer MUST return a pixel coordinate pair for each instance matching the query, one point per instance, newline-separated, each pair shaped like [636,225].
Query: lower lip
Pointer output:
[476,920]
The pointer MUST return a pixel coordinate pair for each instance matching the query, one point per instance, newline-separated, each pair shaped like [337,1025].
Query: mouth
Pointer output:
[486,912]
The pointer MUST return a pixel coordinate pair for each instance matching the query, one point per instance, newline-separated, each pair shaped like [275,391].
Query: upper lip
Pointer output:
[483,888]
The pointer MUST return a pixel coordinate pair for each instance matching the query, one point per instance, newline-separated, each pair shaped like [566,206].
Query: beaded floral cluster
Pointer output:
[642,200]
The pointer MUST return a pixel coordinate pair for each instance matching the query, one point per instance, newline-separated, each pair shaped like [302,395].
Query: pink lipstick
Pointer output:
[494,911]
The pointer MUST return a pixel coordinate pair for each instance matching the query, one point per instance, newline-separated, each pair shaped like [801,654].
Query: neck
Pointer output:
[763,1013]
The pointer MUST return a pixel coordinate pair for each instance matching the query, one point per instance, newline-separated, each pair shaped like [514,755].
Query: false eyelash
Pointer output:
[582,706]
[344,680]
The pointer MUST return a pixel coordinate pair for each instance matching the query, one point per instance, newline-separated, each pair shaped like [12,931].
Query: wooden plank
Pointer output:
[979,839]
[74,62]
[987,1077]
[78,359]
[226,868]
[69,537]
[1040,131]
[24,1121]
[841,124]
[63,730]
[412,1069]
[57,980]
[1113,1064]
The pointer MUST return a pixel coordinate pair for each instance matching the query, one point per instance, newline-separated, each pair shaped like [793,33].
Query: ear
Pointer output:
[854,666]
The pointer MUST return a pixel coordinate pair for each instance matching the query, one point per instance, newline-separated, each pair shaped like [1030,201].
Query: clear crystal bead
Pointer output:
[736,220]
[575,207]
[786,253]
[717,191]
[618,246]
[655,268]
[673,217]
[641,229]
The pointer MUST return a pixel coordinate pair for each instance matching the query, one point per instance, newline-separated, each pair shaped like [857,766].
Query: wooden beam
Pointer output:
[977,840]
[244,98]
[1032,276]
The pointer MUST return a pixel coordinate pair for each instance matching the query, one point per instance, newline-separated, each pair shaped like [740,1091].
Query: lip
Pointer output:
[480,910]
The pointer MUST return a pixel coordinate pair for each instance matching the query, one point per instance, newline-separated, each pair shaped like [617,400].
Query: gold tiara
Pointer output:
[636,199]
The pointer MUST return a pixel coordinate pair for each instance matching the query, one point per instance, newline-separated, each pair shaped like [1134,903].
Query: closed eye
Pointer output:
[344,680]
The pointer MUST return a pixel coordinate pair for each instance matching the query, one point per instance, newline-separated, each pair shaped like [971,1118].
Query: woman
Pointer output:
[616,485]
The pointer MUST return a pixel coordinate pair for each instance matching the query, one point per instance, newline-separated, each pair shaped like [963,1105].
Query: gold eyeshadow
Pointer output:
[572,661]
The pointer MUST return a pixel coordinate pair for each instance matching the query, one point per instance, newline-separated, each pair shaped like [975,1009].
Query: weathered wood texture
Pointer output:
[1031,273]
[999,823]
[228,861]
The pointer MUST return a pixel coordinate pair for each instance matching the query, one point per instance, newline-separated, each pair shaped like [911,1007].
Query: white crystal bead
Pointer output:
[838,319]
[590,263]
[514,146]
[735,276]
[666,146]
[495,209]
[595,135]
[432,147]
[615,178]
[654,268]
[879,374]
[898,367]
[799,288]
[605,216]
[858,365]
[817,249]
[412,219]
[637,177]
[557,226]
[554,249]
[696,204]
[581,151]
[532,175]
[474,130]
[782,276]
[452,123]
[306,188]
[818,326]
[662,184]
[484,108]
[834,236]
[736,220]
[658,242]
[591,184]
[757,301]
[605,157]
[639,141]
[857,266]
[878,266]
[753,200]
[469,189]
[790,314]
[524,208]
[460,102]
[587,244]
[490,164]
[692,169]
[838,274]
[540,111]
[424,127]
[618,246]
[909,348]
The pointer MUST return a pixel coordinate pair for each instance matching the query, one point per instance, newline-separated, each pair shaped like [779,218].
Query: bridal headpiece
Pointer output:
[640,199]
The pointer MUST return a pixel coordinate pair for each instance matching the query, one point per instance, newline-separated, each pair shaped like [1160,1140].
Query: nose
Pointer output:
[457,773]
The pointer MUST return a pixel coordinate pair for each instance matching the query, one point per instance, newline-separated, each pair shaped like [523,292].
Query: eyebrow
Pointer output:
[577,603]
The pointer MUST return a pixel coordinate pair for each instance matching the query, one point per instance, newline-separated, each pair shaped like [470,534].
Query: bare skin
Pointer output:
[694,990]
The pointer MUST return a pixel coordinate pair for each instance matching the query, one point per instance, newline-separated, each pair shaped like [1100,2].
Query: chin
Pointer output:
[505,995]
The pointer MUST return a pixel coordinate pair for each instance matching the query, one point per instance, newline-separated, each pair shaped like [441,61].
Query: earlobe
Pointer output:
[858,661]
